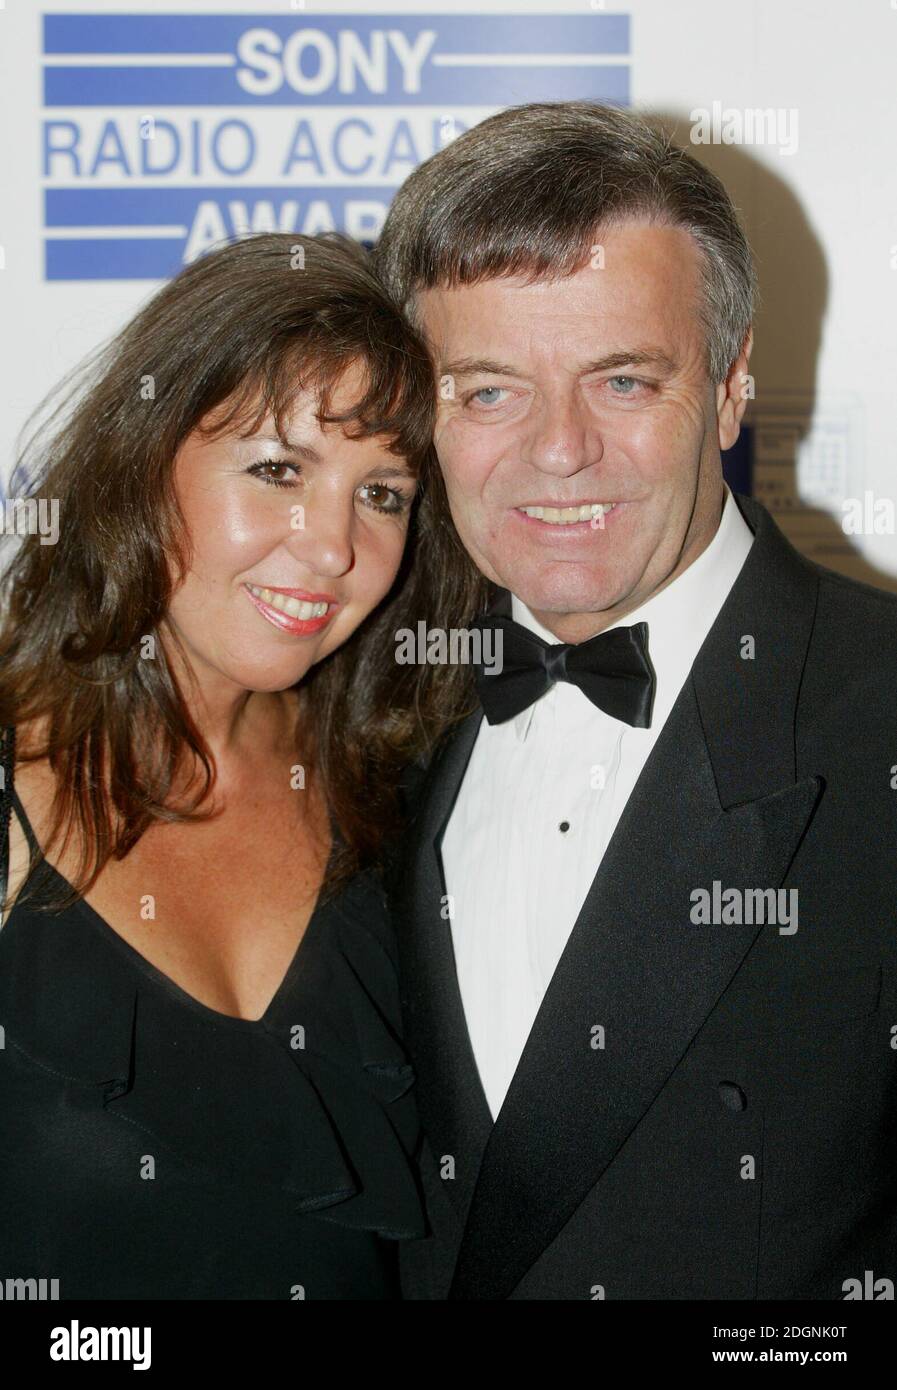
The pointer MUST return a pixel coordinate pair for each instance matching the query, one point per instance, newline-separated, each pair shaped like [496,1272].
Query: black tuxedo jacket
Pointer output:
[735,1136]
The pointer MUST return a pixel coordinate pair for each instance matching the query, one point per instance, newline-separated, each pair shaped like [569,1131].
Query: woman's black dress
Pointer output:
[152,1148]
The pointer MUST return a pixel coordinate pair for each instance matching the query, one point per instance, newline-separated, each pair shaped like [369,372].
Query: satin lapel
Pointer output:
[729,805]
[453,1107]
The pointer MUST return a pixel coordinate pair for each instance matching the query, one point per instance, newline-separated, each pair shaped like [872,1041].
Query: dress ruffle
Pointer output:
[312,1100]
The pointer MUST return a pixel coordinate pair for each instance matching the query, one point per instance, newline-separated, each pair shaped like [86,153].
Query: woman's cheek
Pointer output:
[253,523]
[380,560]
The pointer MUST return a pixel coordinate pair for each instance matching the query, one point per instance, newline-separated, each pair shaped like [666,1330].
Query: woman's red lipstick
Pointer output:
[292,622]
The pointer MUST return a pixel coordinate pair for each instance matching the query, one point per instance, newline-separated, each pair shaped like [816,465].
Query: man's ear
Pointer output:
[733,394]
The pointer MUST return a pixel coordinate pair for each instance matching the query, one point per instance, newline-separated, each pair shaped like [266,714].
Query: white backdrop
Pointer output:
[127,145]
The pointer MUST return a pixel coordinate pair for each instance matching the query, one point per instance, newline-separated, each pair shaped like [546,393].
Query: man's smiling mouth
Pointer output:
[568,516]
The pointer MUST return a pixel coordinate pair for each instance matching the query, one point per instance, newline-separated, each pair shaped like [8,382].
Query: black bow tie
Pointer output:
[612,669]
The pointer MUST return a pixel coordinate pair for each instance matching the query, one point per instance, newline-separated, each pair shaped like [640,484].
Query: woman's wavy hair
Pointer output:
[241,329]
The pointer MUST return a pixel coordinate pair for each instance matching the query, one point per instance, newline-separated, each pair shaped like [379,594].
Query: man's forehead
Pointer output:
[584,338]
[638,313]
[628,255]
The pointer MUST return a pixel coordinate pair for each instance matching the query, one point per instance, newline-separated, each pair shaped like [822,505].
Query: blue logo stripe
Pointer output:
[158,257]
[150,207]
[110,259]
[145,33]
[545,34]
[445,87]
[351,53]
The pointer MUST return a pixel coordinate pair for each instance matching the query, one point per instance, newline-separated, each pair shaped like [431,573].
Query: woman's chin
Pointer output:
[266,672]
[268,680]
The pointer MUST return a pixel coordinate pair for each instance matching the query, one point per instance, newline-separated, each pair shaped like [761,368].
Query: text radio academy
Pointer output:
[228,147]
[370,100]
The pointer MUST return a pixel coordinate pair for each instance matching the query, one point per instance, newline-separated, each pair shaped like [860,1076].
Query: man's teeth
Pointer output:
[293,607]
[563,516]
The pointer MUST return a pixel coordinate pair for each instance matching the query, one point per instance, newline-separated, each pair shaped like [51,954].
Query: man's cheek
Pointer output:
[462,473]
[442,430]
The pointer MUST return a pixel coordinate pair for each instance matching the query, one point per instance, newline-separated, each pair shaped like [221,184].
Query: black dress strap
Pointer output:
[11,798]
[9,801]
[24,822]
[7,763]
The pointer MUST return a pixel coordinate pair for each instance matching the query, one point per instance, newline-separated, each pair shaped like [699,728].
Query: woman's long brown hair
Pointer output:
[243,328]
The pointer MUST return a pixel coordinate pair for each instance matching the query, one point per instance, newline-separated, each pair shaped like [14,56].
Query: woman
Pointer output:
[203,1090]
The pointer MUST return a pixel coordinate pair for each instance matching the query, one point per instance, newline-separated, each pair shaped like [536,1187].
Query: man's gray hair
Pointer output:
[527,191]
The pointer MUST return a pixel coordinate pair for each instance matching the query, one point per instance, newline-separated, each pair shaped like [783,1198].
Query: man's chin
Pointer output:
[562,602]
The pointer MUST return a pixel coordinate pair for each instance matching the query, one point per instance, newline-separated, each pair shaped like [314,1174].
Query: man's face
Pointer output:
[587,390]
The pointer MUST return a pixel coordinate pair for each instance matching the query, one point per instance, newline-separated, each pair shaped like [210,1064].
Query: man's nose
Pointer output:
[562,439]
[321,536]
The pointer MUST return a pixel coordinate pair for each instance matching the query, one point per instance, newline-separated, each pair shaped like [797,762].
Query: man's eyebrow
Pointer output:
[631,357]
[479,366]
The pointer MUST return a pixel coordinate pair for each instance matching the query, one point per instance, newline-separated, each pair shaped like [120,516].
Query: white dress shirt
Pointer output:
[539,803]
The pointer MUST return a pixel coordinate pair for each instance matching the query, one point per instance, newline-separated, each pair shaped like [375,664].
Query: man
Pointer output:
[646,911]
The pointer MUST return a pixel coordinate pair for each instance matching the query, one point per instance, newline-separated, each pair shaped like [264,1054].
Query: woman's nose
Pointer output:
[323,537]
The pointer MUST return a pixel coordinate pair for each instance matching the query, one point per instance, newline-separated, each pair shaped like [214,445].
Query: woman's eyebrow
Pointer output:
[394,470]
[293,446]
[311,455]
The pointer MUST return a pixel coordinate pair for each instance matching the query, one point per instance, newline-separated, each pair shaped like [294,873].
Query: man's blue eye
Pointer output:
[485,391]
[631,381]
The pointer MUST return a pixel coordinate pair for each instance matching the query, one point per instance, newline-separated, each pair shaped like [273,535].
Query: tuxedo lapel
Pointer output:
[451,1101]
[720,798]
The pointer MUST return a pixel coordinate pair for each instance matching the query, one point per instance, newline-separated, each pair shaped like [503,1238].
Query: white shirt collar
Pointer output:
[679,617]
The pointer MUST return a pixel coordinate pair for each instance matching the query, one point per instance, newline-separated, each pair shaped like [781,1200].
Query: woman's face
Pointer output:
[291,547]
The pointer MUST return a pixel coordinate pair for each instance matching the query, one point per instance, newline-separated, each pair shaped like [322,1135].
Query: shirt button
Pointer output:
[564,827]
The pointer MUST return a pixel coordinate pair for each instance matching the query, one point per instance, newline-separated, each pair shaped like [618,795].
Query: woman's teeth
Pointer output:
[563,516]
[293,607]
